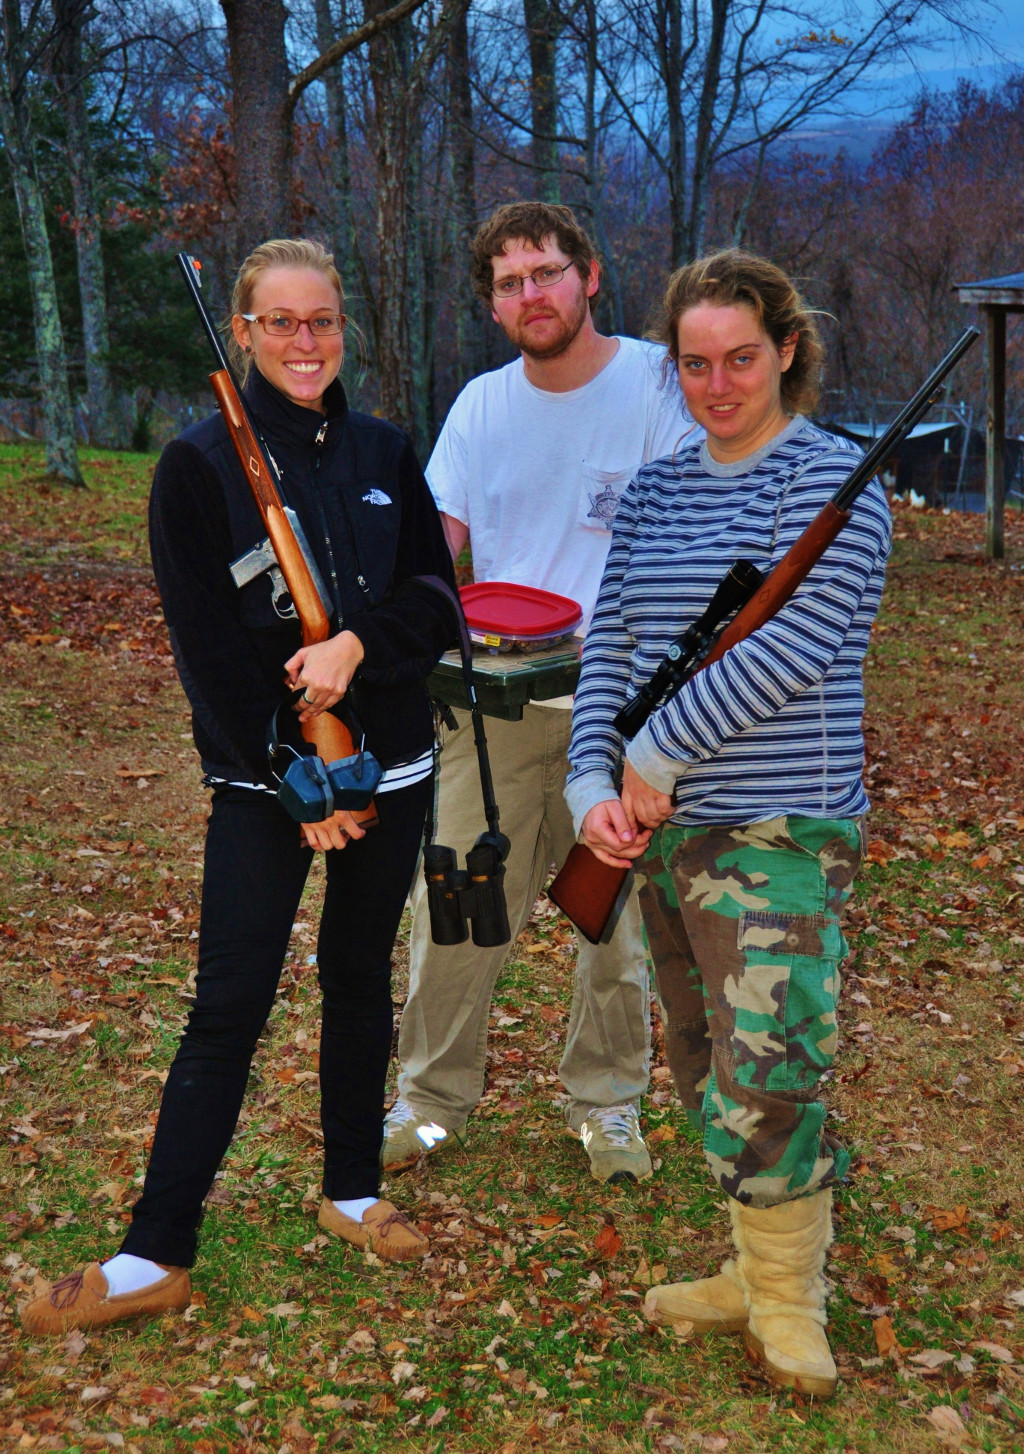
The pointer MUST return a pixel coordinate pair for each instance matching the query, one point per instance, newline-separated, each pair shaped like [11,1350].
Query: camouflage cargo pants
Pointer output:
[743,930]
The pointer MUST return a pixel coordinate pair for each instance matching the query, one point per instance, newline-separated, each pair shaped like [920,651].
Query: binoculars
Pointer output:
[476,892]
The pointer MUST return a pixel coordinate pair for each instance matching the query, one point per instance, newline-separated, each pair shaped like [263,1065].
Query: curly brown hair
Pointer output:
[535,223]
[278,252]
[736,276]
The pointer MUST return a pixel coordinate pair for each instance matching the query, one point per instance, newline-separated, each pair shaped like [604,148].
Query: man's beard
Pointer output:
[557,343]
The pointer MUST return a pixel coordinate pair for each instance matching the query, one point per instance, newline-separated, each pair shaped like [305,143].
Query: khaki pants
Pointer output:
[443,1040]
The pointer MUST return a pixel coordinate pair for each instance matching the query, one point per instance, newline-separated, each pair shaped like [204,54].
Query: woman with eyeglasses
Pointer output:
[371,523]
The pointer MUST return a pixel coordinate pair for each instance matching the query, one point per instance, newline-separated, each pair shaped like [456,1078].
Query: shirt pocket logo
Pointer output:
[376,497]
[599,496]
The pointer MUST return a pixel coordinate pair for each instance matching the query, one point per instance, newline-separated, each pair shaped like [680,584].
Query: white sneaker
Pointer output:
[616,1149]
[408,1136]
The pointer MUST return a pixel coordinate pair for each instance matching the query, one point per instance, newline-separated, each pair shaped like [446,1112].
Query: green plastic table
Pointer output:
[506,681]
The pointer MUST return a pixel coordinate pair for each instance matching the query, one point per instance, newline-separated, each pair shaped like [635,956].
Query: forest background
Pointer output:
[390,130]
[131,129]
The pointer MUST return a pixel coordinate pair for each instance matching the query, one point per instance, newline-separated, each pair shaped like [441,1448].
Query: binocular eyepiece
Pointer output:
[476,892]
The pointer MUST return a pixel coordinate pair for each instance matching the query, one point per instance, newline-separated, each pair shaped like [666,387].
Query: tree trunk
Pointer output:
[469,315]
[611,286]
[388,75]
[703,148]
[420,308]
[398,83]
[672,75]
[58,414]
[543,26]
[348,255]
[69,78]
[342,225]
[260,120]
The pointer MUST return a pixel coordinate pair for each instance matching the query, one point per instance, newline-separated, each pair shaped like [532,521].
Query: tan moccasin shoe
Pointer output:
[82,1300]
[384,1230]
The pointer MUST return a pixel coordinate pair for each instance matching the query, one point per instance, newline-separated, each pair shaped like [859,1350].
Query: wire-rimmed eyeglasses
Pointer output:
[545,277]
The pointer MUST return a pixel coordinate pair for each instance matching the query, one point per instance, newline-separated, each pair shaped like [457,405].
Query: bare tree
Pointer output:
[544,23]
[733,77]
[399,74]
[263,103]
[263,139]
[611,283]
[23,42]
[346,246]
[70,76]
[468,312]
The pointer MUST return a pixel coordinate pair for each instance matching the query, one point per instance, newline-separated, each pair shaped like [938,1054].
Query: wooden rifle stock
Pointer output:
[794,566]
[304,594]
[587,890]
[326,732]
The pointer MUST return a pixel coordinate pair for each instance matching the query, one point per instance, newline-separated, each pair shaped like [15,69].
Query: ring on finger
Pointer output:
[306,697]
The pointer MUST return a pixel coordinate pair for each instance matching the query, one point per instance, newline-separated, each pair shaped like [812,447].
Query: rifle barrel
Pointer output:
[904,422]
[190,272]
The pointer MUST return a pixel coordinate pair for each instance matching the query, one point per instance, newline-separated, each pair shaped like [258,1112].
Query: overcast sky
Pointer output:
[999,48]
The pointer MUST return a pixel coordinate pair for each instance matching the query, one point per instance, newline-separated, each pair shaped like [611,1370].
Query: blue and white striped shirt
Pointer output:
[774,727]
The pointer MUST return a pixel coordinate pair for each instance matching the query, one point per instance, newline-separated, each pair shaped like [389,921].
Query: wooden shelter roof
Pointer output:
[1005,292]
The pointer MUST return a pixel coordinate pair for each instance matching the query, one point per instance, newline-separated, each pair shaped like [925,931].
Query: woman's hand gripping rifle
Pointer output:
[285,550]
[587,890]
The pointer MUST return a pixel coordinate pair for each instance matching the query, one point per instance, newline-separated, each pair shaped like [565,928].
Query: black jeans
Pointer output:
[255,869]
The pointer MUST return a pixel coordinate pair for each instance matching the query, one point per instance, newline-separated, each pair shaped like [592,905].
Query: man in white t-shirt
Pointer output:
[529,468]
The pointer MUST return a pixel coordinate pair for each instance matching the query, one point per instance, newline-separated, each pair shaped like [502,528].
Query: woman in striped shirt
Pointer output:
[742,795]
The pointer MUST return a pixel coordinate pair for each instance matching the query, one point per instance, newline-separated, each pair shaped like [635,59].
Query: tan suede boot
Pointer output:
[710,1305]
[781,1264]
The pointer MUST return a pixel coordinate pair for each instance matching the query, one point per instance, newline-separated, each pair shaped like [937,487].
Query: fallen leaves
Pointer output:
[608,1241]
[661,1135]
[994,1350]
[41,1032]
[94,1393]
[931,1358]
[947,1424]
[954,1220]
[885,1338]
[154,1395]
[650,1276]
[529,1289]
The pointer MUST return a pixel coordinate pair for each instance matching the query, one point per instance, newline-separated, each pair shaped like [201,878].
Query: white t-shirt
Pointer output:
[537,476]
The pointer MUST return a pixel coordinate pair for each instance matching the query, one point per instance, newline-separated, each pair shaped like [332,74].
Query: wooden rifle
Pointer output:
[326,732]
[586,889]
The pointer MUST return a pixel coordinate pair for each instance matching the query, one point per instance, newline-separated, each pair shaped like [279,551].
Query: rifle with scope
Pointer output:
[588,890]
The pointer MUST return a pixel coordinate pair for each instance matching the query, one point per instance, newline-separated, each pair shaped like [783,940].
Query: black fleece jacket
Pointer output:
[371,522]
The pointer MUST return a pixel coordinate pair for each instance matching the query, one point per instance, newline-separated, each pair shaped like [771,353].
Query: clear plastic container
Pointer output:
[504,617]
[497,644]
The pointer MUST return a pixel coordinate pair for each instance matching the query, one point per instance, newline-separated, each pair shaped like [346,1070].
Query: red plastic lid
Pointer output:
[510,610]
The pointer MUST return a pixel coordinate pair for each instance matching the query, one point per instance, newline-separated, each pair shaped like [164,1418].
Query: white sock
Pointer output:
[356,1209]
[126,1273]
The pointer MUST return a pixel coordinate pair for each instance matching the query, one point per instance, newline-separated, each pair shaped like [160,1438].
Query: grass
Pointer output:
[518,1333]
[42,523]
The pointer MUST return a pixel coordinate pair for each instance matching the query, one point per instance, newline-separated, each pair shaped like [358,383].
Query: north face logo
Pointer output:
[376,497]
